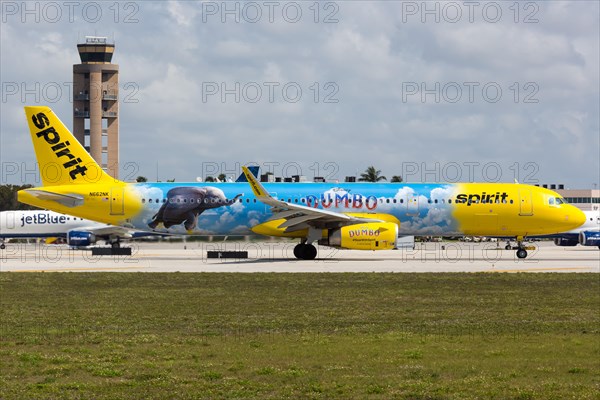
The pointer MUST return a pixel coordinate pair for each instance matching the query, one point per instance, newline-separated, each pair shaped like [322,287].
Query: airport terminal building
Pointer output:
[585,199]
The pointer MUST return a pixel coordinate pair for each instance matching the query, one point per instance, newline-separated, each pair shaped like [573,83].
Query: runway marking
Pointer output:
[540,269]
[73,269]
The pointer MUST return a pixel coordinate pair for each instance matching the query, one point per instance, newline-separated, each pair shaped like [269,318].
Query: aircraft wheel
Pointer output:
[508,247]
[298,250]
[309,252]
[115,245]
[304,251]
[2,246]
[521,253]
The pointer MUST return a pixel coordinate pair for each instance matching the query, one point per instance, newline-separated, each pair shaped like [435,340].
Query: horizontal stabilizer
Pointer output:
[67,200]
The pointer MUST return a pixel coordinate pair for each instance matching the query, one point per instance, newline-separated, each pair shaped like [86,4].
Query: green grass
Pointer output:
[312,336]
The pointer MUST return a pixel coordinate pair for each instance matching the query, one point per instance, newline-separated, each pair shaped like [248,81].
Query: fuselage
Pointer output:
[483,209]
[40,223]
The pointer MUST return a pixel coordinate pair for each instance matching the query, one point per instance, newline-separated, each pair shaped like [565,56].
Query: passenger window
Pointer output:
[150,201]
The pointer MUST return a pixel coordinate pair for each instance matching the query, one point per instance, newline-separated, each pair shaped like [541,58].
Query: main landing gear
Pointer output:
[304,251]
[521,252]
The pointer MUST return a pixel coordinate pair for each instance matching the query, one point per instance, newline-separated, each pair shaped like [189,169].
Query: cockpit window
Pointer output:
[551,201]
[560,201]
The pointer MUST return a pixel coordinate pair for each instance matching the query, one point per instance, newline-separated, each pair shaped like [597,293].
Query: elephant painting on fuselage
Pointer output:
[184,205]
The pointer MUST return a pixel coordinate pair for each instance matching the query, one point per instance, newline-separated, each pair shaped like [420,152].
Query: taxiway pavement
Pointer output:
[273,256]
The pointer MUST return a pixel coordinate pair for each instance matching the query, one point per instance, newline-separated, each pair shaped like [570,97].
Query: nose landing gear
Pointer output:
[521,251]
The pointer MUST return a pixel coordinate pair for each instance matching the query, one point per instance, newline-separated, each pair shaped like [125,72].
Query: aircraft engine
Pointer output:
[80,238]
[590,238]
[561,241]
[367,236]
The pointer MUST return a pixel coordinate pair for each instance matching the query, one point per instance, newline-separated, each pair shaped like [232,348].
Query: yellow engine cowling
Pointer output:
[367,236]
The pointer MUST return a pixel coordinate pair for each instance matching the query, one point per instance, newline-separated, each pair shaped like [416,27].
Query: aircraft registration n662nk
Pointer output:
[365,216]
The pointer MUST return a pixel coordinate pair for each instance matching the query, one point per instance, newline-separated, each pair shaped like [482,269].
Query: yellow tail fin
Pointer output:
[61,158]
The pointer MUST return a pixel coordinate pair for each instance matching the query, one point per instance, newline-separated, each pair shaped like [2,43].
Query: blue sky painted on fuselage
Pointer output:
[413,204]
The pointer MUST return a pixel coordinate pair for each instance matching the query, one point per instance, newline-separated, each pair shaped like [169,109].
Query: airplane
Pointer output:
[361,216]
[587,234]
[78,232]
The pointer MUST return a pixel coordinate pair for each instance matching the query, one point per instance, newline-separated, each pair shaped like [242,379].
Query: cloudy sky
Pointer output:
[438,91]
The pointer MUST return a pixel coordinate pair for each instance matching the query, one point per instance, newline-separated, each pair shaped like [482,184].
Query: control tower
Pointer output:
[95,102]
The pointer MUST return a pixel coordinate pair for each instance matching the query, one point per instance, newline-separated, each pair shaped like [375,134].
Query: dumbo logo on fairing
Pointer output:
[342,199]
[363,232]
[185,204]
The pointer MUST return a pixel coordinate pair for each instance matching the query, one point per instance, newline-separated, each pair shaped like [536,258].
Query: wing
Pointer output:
[299,217]
[112,231]
[104,230]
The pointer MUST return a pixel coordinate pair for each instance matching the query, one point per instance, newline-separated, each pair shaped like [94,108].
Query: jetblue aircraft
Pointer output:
[586,235]
[78,232]
[362,216]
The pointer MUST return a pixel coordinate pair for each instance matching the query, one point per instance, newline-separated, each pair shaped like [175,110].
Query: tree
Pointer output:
[222,177]
[141,179]
[397,179]
[209,179]
[372,175]
[8,198]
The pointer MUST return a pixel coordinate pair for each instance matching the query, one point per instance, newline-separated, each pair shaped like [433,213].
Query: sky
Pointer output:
[432,91]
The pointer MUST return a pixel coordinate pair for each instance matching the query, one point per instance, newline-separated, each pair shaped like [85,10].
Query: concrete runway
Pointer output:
[278,257]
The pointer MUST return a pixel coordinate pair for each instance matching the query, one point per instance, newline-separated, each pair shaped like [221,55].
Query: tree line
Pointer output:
[8,198]
[371,174]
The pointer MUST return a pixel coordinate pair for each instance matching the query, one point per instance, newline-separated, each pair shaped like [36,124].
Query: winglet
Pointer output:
[259,191]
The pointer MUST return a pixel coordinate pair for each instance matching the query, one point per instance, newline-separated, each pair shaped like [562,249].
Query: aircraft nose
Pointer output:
[574,217]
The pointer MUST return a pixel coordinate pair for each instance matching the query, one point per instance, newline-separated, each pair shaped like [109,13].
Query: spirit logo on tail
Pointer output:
[60,149]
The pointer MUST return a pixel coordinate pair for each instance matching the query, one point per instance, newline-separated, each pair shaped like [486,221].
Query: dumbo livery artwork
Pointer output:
[184,204]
